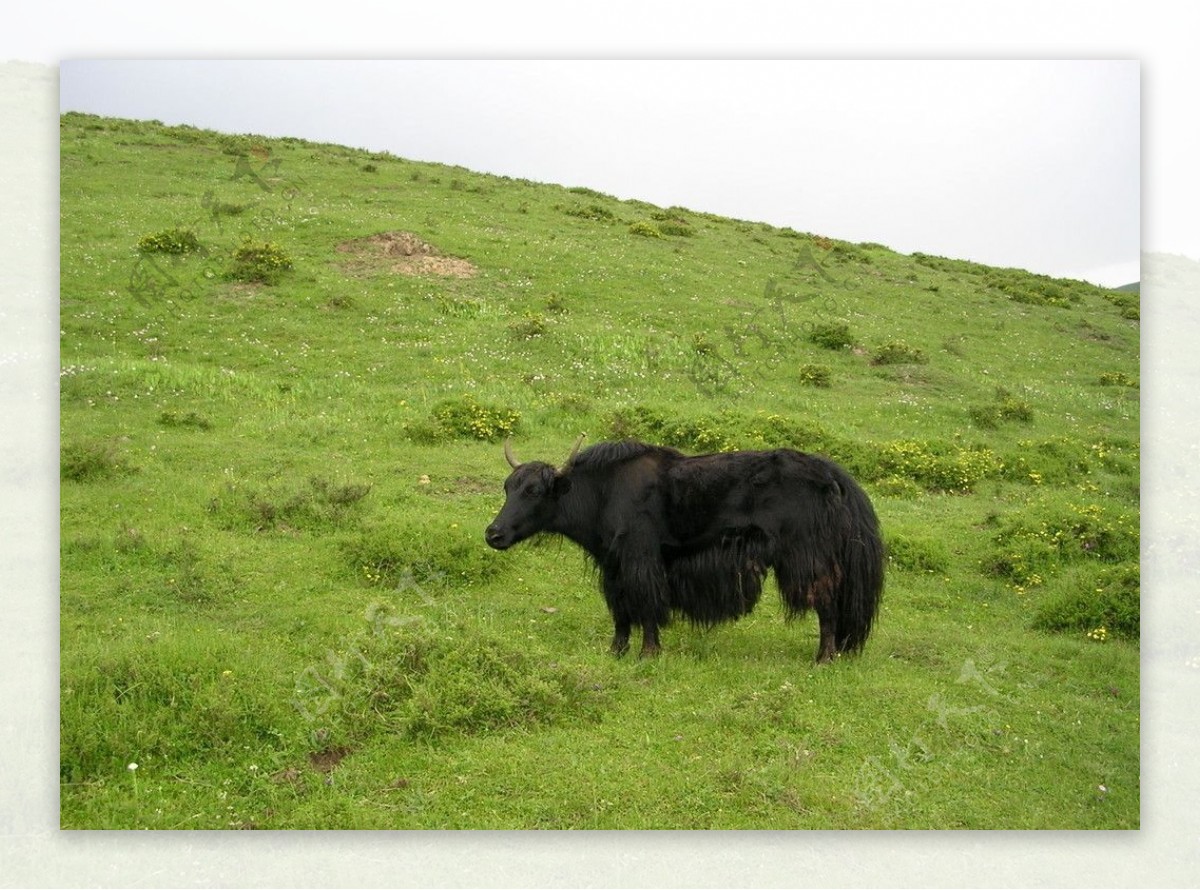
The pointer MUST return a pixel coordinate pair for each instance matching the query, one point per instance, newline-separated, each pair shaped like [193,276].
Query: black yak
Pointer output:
[672,534]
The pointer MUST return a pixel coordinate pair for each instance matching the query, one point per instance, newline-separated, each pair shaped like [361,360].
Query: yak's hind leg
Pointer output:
[804,590]
[820,596]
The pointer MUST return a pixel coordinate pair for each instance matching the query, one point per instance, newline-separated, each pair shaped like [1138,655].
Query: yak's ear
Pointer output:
[562,484]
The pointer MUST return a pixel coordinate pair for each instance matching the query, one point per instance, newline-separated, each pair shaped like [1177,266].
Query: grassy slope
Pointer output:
[276,645]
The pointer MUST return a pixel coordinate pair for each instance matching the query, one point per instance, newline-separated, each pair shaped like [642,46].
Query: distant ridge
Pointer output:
[1134,288]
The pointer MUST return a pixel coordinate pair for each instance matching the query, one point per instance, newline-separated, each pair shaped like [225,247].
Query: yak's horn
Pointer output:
[508,455]
[574,450]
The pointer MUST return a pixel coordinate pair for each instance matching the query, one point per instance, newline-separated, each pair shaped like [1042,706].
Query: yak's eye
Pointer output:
[532,490]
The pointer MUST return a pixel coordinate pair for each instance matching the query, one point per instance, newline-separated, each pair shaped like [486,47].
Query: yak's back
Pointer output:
[712,493]
[608,455]
[712,474]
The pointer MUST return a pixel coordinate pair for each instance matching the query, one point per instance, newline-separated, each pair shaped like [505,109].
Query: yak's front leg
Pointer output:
[620,640]
[635,588]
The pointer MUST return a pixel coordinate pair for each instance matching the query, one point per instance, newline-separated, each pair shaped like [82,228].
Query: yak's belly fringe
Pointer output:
[719,583]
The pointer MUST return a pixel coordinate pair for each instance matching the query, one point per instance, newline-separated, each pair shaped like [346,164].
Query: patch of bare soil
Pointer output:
[326,760]
[401,253]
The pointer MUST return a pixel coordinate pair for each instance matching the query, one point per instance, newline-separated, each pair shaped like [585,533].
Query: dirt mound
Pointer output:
[401,253]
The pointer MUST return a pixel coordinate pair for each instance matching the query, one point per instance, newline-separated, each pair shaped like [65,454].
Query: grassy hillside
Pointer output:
[286,372]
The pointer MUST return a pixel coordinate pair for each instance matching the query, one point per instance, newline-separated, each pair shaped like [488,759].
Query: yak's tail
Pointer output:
[858,595]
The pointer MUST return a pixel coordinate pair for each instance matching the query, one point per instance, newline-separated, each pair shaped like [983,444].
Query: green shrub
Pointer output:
[420,676]
[595,212]
[91,460]
[190,420]
[723,431]
[916,554]
[1040,542]
[1128,304]
[1117,378]
[699,434]
[1036,290]
[1006,408]
[897,352]
[259,262]
[418,560]
[1095,604]
[815,375]
[1013,409]
[645,229]
[529,326]
[834,335]
[221,208]
[670,224]
[465,418]
[170,241]
[897,487]
[316,504]
[1062,461]
[986,417]
[482,684]
[701,345]
[935,466]
[185,696]
[676,229]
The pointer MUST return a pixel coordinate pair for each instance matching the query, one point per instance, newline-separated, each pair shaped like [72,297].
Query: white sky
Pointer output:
[1029,164]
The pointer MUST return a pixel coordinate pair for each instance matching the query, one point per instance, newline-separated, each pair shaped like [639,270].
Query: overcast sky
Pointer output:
[1028,164]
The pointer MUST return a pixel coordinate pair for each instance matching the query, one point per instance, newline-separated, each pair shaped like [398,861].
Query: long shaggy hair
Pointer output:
[696,536]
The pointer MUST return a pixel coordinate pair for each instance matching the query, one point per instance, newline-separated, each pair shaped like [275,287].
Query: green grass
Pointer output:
[277,465]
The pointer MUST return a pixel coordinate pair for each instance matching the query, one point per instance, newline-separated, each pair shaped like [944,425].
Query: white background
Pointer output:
[1166,852]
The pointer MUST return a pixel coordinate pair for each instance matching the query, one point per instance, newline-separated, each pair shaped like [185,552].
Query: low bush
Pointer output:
[645,229]
[815,375]
[670,224]
[418,560]
[484,684]
[170,241]
[833,335]
[1005,408]
[1117,378]
[696,434]
[595,212]
[259,262]
[528,327]
[1041,541]
[1095,604]
[934,466]
[917,554]
[190,420]
[465,418]
[424,677]
[897,352]
[315,504]
[91,460]
[162,704]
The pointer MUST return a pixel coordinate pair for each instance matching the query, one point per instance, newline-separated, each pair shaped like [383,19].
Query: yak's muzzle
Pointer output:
[497,538]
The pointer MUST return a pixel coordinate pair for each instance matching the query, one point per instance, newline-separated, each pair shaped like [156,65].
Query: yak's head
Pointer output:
[532,492]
